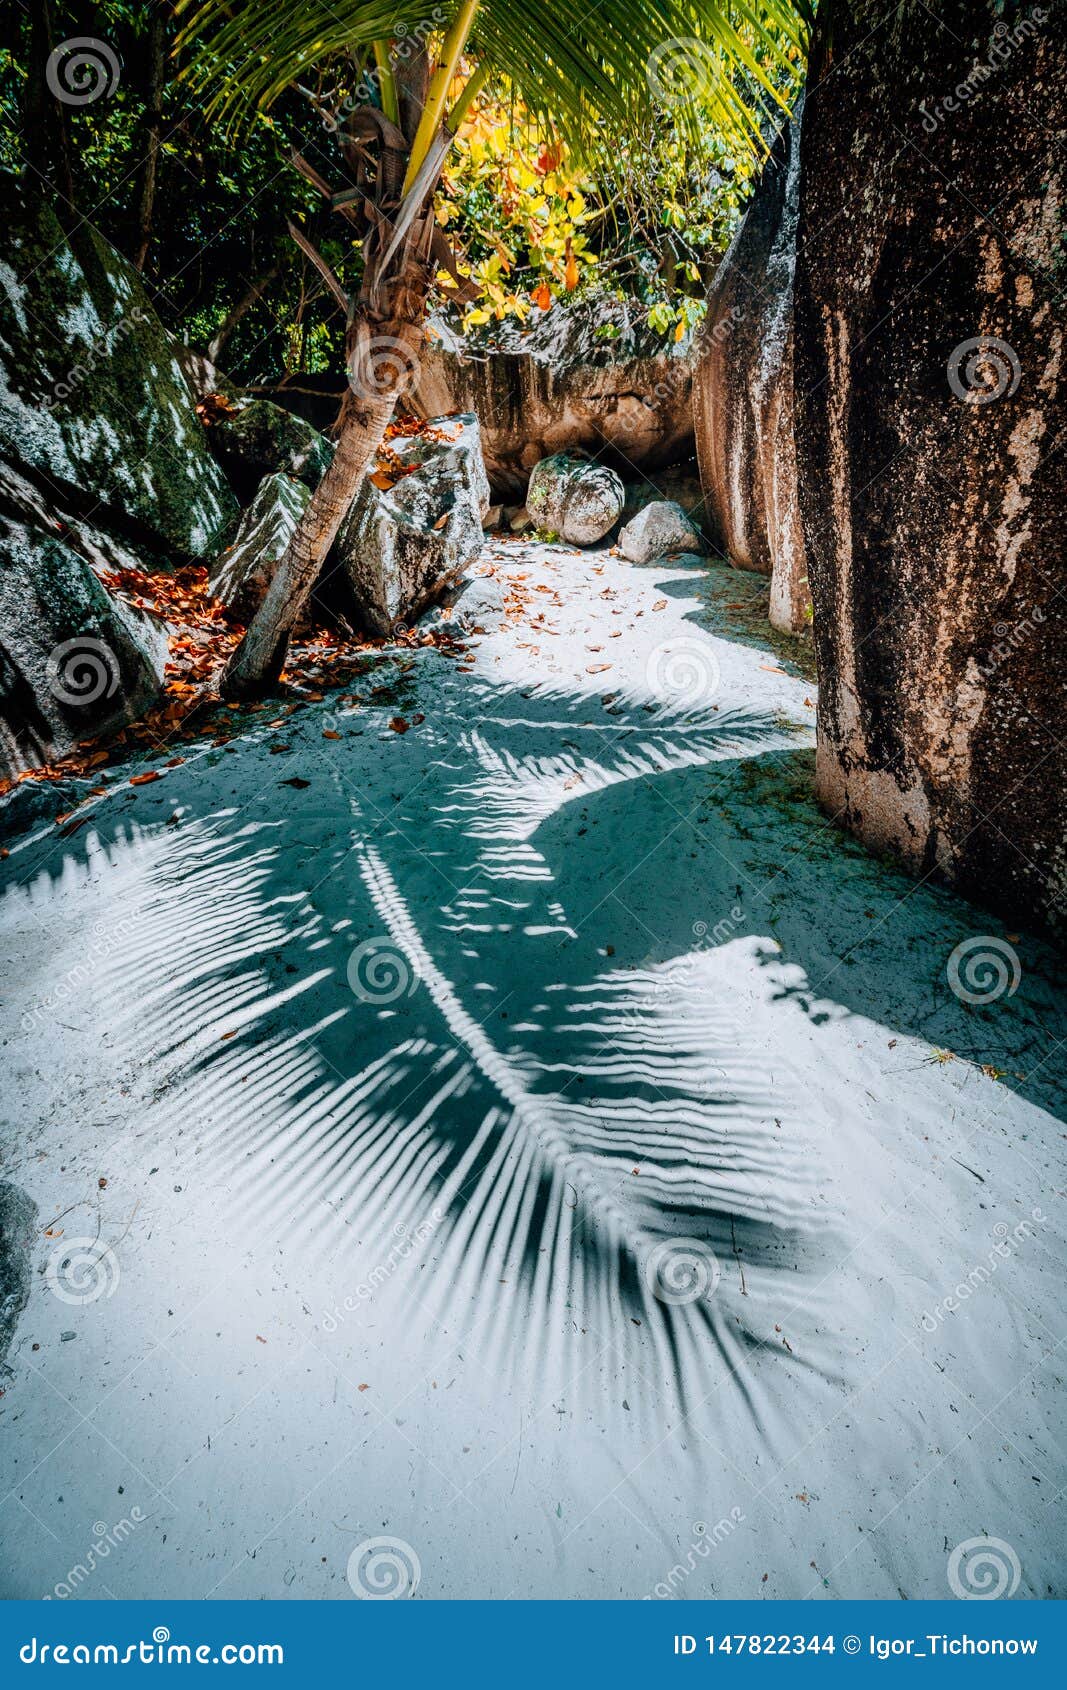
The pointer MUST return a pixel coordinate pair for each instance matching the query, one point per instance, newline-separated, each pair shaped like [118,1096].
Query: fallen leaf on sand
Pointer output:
[143,780]
[295,780]
[660,604]
[597,668]
[772,668]
[330,733]
[398,725]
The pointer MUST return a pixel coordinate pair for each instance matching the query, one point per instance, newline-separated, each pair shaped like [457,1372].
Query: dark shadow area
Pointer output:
[479,1005]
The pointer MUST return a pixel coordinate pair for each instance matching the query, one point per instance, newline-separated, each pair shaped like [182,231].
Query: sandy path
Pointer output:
[405,1085]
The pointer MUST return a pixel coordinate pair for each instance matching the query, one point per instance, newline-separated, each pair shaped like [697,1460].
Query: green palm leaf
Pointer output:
[589,71]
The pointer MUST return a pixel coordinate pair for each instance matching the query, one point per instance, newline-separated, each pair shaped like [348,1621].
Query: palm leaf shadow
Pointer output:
[540,1211]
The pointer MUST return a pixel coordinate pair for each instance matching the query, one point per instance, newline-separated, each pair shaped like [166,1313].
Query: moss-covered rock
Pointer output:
[400,549]
[93,402]
[258,438]
[74,661]
[244,570]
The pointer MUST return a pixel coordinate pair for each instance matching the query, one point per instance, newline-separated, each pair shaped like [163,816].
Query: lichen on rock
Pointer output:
[93,401]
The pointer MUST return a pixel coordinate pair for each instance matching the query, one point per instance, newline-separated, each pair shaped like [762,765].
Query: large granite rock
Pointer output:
[579,376]
[400,548]
[245,568]
[743,391]
[930,401]
[74,660]
[659,528]
[94,405]
[19,1233]
[573,497]
[254,437]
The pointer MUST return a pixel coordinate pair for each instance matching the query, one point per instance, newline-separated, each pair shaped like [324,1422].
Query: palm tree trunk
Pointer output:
[260,657]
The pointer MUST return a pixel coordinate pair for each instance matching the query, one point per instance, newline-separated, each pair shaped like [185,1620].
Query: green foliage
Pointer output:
[570,172]
[219,221]
[590,76]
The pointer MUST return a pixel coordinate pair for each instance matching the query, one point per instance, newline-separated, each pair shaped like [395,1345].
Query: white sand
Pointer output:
[654,996]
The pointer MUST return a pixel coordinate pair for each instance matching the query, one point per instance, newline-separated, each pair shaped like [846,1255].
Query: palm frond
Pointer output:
[590,74]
